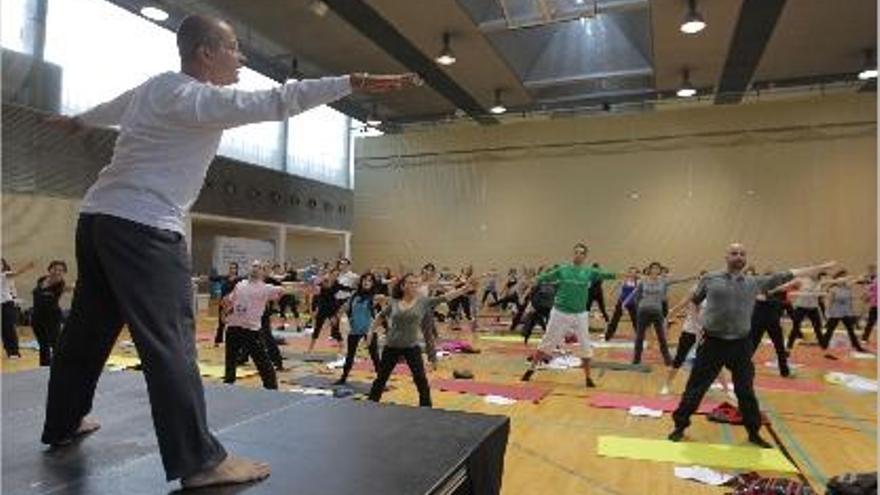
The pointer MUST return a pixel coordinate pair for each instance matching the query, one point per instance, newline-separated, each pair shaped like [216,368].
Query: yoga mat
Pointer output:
[613,344]
[125,362]
[314,357]
[688,453]
[624,401]
[617,366]
[512,351]
[787,384]
[647,357]
[327,382]
[219,371]
[502,338]
[516,392]
[400,369]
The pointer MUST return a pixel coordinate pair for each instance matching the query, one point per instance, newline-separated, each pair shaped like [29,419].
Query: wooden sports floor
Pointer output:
[553,444]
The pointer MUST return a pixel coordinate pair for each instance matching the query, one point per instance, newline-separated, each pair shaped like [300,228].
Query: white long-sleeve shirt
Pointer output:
[170,128]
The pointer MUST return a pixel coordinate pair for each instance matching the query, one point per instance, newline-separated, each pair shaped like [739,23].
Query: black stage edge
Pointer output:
[316,445]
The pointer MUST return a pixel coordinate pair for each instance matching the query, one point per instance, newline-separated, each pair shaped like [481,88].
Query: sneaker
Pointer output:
[677,435]
[664,390]
[341,381]
[591,383]
[760,442]
[527,375]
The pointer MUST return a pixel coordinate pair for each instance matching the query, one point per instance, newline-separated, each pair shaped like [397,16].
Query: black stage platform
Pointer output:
[316,445]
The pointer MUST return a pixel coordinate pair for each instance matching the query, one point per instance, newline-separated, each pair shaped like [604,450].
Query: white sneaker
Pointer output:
[664,390]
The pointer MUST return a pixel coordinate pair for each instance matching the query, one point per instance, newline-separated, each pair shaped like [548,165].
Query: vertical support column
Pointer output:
[347,240]
[281,244]
[188,231]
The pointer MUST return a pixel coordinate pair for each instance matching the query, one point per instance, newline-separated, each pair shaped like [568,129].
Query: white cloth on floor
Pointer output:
[29,344]
[645,411]
[702,474]
[311,391]
[853,382]
[444,354]
[563,362]
[775,365]
[339,363]
[499,400]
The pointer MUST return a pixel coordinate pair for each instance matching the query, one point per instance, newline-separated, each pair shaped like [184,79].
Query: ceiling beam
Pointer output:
[381,32]
[581,78]
[754,27]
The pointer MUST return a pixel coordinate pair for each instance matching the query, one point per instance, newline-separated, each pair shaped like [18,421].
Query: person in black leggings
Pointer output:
[509,295]
[766,317]
[627,286]
[227,283]
[10,313]
[46,316]
[326,307]
[806,305]
[266,322]
[597,295]
[361,310]
[841,310]
[540,297]
[870,297]
[404,315]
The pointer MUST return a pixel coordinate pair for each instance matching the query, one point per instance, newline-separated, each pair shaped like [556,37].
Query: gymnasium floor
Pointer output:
[552,446]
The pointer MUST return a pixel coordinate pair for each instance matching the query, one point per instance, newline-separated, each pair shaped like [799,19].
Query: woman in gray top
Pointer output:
[404,316]
[649,297]
[840,309]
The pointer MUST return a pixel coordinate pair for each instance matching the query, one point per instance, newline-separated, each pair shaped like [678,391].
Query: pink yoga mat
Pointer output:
[667,404]
[517,392]
[787,384]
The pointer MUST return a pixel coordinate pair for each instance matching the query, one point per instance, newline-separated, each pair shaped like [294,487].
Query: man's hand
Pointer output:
[70,125]
[376,84]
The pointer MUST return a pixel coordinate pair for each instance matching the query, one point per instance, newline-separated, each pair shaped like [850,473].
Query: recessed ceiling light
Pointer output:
[154,13]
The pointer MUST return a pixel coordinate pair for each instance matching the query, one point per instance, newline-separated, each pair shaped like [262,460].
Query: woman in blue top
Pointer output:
[361,310]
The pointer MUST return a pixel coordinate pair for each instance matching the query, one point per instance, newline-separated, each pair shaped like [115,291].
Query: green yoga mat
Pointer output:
[617,366]
[688,453]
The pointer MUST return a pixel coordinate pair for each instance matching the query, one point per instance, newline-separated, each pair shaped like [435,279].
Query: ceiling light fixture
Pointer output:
[318,8]
[498,108]
[446,56]
[154,13]
[373,119]
[693,21]
[870,69]
[687,89]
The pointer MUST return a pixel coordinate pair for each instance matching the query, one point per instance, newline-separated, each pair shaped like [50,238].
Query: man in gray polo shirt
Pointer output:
[730,298]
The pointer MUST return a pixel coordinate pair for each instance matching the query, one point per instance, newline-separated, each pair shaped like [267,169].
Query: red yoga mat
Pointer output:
[666,404]
[517,392]
[787,384]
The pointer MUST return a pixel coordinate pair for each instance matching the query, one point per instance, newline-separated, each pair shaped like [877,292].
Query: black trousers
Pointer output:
[504,301]
[850,323]
[872,322]
[538,316]
[644,319]
[597,296]
[712,355]
[221,325]
[769,321]
[490,292]
[615,318]
[685,342]
[322,318]
[288,301]
[460,303]
[519,315]
[10,335]
[351,350]
[241,341]
[140,276]
[269,341]
[815,318]
[413,357]
[46,323]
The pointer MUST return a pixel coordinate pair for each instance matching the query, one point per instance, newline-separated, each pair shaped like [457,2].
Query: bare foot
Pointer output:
[86,426]
[233,470]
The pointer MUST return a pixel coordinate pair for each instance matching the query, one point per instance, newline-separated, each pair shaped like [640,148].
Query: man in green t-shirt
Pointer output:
[569,315]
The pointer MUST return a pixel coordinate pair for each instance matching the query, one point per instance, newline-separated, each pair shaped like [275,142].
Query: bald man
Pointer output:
[730,299]
[134,268]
